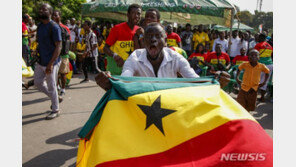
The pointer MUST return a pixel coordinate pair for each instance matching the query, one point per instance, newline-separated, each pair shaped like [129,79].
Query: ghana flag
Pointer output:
[151,122]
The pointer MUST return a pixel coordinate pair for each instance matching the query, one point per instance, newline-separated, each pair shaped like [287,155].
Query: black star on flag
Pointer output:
[155,113]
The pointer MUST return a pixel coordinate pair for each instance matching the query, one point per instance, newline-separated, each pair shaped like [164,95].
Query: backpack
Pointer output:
[65,38]
[65,41]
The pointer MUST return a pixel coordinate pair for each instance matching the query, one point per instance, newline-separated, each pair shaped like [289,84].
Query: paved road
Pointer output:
[51,143]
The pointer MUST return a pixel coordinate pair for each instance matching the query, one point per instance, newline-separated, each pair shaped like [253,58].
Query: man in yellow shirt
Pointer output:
[251,80]
[200,37]
[101,58]
[106,30]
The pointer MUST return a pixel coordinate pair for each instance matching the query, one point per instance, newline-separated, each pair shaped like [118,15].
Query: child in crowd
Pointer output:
[251,80]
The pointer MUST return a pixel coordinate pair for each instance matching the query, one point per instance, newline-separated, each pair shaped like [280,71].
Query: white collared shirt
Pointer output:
[235,47]
[72,32]
[91,39]
[137,64]
[224,44]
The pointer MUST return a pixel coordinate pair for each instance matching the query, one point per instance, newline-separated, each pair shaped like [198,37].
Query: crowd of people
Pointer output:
[140,47]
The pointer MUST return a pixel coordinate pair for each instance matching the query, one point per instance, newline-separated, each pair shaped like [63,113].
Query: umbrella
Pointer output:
[236,26]
[179,11]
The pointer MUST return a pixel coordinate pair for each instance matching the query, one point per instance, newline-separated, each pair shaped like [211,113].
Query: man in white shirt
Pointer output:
[72,27]
[91,52]
[78,35]
[32,30]
[154,61]
[235,45]
[222,41]
[139,64]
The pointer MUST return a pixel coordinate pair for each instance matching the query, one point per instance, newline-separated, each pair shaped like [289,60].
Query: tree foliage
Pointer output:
[69,8]
[254,20]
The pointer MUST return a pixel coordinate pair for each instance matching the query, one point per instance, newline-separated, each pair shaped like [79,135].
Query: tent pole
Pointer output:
[231,24]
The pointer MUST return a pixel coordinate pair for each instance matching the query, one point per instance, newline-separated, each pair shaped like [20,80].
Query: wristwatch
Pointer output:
[141,36]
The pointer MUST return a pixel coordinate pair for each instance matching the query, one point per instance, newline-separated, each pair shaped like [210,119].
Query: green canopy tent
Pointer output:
[236,26]
[180,11]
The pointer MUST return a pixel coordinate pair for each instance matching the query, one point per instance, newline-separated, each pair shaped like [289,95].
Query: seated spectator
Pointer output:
[208,49]
[251,80]
[197,59]
[199,54]
[242,58]
[173,39]
[218,60]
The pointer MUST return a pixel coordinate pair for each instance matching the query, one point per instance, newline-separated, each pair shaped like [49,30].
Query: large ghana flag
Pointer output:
[151,122]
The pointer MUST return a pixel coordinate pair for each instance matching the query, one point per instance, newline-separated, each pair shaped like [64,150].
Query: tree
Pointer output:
[245,17]
[263,18]
[69,8]
[254,20]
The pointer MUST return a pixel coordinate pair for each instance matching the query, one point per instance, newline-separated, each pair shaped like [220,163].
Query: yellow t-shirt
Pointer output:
[80,46]
[82,32]
[101,48]
[105,32]
[200,38]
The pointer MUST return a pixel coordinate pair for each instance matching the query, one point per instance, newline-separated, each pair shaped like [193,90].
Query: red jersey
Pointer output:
[200,56]
[265,52]
[25,40]
[239,59]
[120,39]
[173,39]
[213,58]
[24,28]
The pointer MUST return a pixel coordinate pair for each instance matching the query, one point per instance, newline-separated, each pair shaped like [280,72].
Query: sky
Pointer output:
[250,5]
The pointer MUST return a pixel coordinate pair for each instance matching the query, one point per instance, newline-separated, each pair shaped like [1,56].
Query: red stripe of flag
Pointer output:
[236,143]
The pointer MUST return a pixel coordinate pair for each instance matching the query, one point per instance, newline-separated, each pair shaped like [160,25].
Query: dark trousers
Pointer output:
[247,99]
[73,65]
[25,54]
[188,52]
[89,61]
